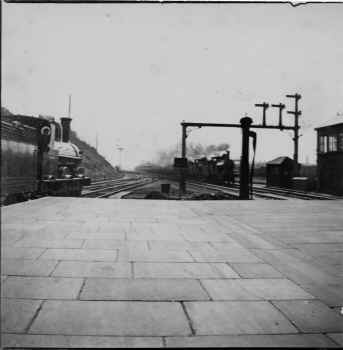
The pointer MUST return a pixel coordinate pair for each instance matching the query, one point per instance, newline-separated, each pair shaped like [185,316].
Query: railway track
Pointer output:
[230,190]
[111,187]
[101,183]
[260,191]
[108,188]
[290,193]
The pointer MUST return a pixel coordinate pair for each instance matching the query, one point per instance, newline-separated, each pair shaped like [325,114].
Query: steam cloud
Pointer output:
[165,158]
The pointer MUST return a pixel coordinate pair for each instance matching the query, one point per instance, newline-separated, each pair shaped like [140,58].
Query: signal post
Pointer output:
[245,125]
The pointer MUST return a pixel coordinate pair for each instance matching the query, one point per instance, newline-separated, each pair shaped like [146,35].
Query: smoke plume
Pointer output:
[166,157]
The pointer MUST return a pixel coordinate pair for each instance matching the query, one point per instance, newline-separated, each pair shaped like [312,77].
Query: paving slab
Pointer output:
[102,318]
[113,244]
[331,294]
[254,289]
[153,236]
[333,258]
[170,229]
[41,288]
[228,289]
[14,227]
[226,246]
[97,235]
[154,255]
[21,253]
[248,236]
[45,235]
[311,278]
[233,254]
[183,270]
[60,226]
[201,236]
[141,228]
[294,251]
[337,337]
[80,254]
[93,269]
[69,341]
[16,314]
[48,243]
[316,248]
[250,341]
[10,238]
[112,227]
[27,267]
[178,245]
[143,289]
[249,270]
[145,220]
[237,317]
[311,315]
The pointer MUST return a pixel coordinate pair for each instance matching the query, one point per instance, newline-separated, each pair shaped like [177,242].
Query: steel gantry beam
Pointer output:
[223,125]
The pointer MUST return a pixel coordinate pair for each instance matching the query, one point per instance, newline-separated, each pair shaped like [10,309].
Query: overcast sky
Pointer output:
[135,71]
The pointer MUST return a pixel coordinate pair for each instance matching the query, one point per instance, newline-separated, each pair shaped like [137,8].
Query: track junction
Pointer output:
[130,182]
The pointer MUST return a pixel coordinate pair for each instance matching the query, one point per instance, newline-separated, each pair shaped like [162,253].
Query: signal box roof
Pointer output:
[336,125]
[332,121]
[279,160]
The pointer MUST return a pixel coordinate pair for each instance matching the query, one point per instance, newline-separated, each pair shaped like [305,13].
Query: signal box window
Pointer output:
[332,144]
[340,141]
[322,144]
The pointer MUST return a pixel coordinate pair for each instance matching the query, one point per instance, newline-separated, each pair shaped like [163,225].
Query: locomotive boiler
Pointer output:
[38,159]
[216,168]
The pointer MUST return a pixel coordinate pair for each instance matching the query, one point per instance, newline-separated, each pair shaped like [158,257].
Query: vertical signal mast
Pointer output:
[120,149]
[296,114]
[69,107]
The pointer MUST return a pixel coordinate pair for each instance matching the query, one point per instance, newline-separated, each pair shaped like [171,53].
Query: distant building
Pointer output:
[280,172]
[330,158]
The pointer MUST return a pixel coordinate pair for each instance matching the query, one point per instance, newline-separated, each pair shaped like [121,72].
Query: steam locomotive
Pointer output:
[37,158]
[218,168]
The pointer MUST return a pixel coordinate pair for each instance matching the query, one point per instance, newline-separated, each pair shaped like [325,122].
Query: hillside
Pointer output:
[96,166]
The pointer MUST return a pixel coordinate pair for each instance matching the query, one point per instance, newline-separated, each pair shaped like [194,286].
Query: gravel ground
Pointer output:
[154,191]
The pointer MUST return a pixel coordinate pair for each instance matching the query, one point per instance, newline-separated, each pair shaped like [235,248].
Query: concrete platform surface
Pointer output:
[78,272]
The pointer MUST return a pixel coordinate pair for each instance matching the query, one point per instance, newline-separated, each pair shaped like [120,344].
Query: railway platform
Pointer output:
[83,272]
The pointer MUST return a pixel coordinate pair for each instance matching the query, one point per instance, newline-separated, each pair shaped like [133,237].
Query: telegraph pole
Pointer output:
[120,149]
[244,168]
[280,106]
[183,155]
[264,106]
[296,114]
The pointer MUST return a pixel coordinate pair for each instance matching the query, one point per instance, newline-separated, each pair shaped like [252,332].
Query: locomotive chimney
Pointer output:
[65,129]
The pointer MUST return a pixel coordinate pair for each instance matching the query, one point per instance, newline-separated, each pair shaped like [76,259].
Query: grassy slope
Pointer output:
[97,167]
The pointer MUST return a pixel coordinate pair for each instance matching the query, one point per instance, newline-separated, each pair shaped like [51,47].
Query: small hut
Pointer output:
[280,172]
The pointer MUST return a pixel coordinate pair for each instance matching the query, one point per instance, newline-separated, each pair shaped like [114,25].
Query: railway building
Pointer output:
[280,172]
[330,158]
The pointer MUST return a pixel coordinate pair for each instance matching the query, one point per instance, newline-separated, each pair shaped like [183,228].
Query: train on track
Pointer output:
[217,168]
[37,159]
